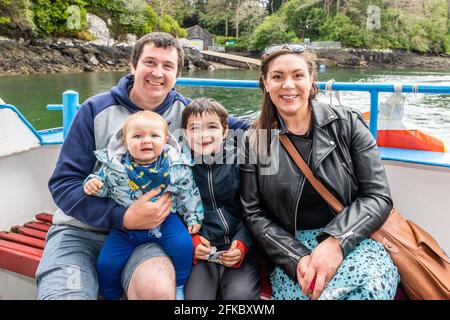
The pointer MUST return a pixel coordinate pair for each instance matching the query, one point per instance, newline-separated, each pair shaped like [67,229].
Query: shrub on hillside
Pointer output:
[272,30]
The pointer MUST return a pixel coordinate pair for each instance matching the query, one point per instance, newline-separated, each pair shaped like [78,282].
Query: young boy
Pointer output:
[224,262]
[142,160]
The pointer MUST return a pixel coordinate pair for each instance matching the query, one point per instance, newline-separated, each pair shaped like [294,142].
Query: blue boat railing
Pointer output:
[373,88]
[70,103]
[70,106]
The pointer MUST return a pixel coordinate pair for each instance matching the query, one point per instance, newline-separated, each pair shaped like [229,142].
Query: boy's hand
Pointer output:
[203,249]
[93,186]
[193,229]
[232,256]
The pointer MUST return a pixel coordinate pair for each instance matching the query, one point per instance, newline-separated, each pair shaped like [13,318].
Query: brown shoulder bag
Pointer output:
[423,266]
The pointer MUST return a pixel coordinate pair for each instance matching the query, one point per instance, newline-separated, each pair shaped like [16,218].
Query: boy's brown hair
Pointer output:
[147,114]
[200,106]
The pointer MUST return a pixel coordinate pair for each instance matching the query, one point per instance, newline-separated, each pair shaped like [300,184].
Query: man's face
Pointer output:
[154,76]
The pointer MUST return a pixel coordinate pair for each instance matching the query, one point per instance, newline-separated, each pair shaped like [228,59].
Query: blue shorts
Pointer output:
[68,267]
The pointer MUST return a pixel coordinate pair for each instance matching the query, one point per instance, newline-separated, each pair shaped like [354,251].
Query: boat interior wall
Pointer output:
[23,184]
[16,286]
[422,194]
[15,134]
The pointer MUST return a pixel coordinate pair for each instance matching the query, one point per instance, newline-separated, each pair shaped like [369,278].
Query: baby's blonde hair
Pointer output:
[146,114]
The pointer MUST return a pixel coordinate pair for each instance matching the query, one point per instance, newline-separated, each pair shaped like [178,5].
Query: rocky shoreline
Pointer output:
[22,57]
[381,59]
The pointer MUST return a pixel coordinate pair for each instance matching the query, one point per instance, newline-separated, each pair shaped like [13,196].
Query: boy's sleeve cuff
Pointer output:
[241,246]
[196,241]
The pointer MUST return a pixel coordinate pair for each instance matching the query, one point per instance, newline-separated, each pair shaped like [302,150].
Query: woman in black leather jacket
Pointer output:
[316,253]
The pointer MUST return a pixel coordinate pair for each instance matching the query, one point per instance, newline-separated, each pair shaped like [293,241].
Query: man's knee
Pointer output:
[153,279]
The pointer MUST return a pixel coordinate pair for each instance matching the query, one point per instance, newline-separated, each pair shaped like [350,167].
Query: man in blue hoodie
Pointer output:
[68,266]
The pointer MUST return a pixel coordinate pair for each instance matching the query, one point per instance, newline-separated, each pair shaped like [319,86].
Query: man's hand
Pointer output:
[203,249]
[232,256]
[143,214]
[93,186]
[193,229]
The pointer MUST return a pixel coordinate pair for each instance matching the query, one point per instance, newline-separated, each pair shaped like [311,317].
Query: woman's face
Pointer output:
[288,83]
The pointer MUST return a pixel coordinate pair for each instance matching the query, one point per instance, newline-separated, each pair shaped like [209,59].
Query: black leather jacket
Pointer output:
[345,159]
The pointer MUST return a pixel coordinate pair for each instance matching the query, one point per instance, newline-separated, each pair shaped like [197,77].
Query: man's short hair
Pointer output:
[200,106]
[159,40]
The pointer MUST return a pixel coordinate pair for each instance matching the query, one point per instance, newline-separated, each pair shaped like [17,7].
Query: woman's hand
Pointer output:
[93,186]
[232,256]
[316,270]
[203,249]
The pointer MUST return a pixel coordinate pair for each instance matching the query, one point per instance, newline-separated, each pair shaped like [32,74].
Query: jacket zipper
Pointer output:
[290,254]
[216,208]
[350,232]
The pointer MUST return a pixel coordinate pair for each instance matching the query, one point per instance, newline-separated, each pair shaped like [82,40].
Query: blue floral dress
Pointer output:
[366,273]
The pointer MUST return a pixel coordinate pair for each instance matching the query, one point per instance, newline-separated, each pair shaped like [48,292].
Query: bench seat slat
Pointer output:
[41,226]
[29,232]
[20,238]
[18,262]
[44,217]
[21,248]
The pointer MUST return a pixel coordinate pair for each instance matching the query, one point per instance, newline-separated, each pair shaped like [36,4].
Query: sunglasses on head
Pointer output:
[293,47]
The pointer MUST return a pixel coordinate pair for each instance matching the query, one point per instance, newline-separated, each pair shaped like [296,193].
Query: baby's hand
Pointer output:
[93,186]
[193,229]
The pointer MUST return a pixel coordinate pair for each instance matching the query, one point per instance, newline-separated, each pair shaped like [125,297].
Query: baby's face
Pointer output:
[205,133]
[145,139]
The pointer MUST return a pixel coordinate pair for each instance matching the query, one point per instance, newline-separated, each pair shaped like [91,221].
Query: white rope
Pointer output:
[329,89]
[398,87]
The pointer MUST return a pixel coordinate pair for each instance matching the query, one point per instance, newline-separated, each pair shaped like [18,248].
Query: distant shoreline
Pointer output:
[70,55]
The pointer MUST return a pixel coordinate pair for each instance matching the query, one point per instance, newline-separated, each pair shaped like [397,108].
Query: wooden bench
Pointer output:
[21,248]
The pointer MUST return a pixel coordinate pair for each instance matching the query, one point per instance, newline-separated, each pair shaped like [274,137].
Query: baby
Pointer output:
[146,158]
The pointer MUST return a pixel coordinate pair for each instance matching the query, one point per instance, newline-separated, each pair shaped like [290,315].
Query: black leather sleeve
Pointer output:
[373,203]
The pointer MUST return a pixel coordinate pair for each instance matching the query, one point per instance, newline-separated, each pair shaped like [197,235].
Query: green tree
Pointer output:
[304,19]
[51,16]
[16,18]
[272,30]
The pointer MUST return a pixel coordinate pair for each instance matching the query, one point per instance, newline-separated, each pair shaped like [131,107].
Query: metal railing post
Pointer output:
[374,113]
[69,108]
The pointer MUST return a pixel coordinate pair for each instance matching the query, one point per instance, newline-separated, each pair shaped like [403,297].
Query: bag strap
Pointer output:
[303,166]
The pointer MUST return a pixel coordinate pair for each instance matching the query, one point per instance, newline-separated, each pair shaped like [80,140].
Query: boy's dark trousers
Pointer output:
[211,281]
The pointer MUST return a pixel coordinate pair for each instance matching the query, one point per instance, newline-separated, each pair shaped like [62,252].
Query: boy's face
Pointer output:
[145,139]
[205,133]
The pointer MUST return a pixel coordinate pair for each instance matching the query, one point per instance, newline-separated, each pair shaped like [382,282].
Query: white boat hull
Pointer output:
[420,192]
